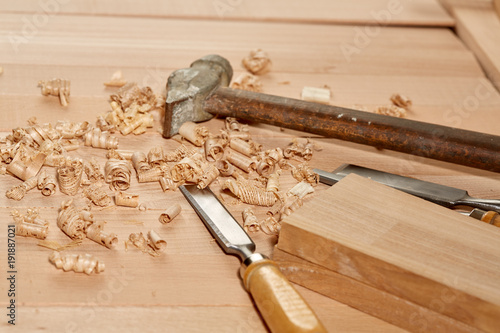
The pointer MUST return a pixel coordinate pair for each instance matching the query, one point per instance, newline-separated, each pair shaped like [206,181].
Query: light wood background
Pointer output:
[194,287]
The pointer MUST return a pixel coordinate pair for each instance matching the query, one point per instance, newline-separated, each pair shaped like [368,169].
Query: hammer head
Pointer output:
[187,89]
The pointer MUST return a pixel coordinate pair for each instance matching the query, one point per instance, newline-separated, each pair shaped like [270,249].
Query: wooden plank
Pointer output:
[449,5]
[383,12]
[175,43]
[402,245]
[397,311]
[478,28]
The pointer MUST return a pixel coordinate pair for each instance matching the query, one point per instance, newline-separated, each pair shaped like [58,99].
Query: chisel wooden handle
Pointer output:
[281,306]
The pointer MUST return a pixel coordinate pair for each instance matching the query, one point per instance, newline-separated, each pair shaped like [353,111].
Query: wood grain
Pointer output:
[396,310]
[411,248]
[403,12]
[478,28]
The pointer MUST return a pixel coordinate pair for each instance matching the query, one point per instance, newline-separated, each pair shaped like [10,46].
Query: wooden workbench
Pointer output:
[193,286]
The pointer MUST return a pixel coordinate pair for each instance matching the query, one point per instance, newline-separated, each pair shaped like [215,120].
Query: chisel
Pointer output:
[440,194]
[281,306]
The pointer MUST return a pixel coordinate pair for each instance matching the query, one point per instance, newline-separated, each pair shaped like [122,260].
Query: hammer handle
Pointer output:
[469,148]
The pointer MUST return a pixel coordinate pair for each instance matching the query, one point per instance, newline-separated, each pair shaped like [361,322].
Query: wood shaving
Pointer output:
[248,148]
[70,220]
[301,189]
[116,80]
[119,154]
[69,176]
[26,163]
[98,139]
[249,194]
[169,214]
[189,169]
[131,93]
[79,263]
[257,62]
[151,175]
[233,125]
[241,161]
[56,87]
[296,148]
[153,245]
[95,232]
[291,205]
[30,224]
[401,101]
[247,81]
[194,133]
[273,182]
[270,226]
[210,173]
[70,130]
[117,173]
[179,153]
[391,110]
[167,183]
[46,183]
[231,135]
[306,173]
[226,169]
[214,149]
[126,199]
[97,195]
[155,156]
[317,95]
[250,221]
[140,162]
[93,170]
[19,191]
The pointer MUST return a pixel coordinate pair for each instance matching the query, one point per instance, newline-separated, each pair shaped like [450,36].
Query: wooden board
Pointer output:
[395,310]
[402,12]
[479,29]
[402,245]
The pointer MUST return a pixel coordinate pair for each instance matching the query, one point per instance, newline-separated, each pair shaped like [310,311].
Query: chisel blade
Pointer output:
[224,228]
[440,194]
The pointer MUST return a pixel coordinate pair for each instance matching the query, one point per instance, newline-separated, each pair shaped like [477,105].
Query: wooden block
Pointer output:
[402,245]
[373,301]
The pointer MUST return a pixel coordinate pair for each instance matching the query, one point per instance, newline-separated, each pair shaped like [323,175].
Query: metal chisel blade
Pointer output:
[440,194]
[224,228]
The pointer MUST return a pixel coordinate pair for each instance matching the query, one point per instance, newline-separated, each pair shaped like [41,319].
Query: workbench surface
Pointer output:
[194,286]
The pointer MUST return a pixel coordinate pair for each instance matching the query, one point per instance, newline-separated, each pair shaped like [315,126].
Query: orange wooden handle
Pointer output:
[492,218]
[281,306]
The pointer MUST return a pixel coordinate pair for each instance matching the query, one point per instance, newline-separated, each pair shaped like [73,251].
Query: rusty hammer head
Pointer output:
[187,89]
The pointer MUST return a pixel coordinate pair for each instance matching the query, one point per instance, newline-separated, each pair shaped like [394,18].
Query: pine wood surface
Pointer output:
[194,286]
[402,245]
[403,12]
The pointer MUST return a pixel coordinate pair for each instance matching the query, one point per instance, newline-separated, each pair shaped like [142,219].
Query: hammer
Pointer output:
[199,92]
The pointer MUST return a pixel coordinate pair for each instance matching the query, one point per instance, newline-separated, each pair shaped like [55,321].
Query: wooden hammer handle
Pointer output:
[281,306]
[443,143]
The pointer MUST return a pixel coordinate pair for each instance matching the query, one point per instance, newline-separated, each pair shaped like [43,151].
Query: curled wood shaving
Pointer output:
[210,173]
[93,170]
[97,195]
[233,125]
[296,148]
[249,194]
[119,154]
[250,221]
[306,173]
[140,162]
[179,153]
[167,183]
[214,150]
[189,169]
[231,135]
[151,175]
[170,213]
[301,189]
[69,176]
[241,161]
[257,62]
[95,232]
[194,133]
[291,205]
[79,263]
[270,226]
[126,199]
[70,220]
[273,182]
[247,81]
[117,173]
[155,156]
[26,163]
[226,169]
[30,225]
[116,80]
[391,110]
[248,148]
[153,245]
[56,87]
[103,125]
[19,191]
[70,130]
[401,101]
[98,139]
[131,93]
